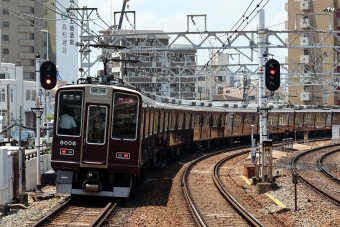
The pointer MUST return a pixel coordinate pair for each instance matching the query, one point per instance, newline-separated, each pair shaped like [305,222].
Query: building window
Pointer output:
[201,90]
[12,94]
[220,90]
[31,49]
[32,76]
[5,24]
[305,52]
[27,95]
[5,51]
[2,76]
[4,11]
[305,88]
[338,13]
[32,62]
[34,95]
[2,95]
[5,37]
[31,36]
[227,91]
[201,78]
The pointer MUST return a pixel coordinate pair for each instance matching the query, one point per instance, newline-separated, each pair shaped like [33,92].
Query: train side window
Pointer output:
[173,121]
[146,126]
[187,121]
[151,123]
[155,125]
[180,121]
[161,122]
[125,116]
[166,121]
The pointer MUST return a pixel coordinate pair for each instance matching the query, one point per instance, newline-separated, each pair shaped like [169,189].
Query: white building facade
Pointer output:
[16,92]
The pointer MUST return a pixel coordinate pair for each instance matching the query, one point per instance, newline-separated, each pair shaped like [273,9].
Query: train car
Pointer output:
[120,133]
[99,156]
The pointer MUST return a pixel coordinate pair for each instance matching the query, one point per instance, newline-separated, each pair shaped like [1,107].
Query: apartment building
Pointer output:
[307,86]
[21,35]
[167,73]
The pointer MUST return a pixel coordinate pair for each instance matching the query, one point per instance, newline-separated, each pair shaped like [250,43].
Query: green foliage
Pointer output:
[49,117]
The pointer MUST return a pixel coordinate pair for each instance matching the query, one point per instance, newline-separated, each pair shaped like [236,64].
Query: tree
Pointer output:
[49,117]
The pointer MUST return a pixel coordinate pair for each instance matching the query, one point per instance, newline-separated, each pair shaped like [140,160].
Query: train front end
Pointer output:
[101,155]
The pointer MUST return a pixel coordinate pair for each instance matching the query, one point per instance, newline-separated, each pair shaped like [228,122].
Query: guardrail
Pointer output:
[30,154]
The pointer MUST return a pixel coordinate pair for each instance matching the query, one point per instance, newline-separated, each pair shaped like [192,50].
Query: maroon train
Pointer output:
[121,133]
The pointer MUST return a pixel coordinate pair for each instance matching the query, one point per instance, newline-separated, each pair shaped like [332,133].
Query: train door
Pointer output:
[95,138]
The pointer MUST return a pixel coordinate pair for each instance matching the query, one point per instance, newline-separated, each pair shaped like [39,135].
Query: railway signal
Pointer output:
[272,72]
[48,75]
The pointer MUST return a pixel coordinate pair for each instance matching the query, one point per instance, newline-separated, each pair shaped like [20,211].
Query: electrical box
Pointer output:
[304,23]
[305,59]
[267,145]
[305,5]
[304,41]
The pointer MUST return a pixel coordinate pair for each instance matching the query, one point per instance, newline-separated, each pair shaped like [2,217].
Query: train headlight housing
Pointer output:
[65,151]
[123,155]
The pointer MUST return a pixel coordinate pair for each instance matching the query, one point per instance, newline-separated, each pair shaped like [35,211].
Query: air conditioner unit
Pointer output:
[155,85]
[305,96]
[304,23]
[305,59]
[305,5]
[304,41]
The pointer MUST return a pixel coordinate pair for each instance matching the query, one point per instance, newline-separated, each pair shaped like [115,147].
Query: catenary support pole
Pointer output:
[262,89]
[37,100]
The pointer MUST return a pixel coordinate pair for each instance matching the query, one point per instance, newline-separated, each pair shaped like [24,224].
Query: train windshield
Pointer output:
[70,108]
[125,114]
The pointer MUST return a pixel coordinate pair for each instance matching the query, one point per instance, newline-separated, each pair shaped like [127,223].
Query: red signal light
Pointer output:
[272,71]
[48,81]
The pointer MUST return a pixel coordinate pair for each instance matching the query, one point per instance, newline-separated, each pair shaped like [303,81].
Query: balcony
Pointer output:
[26,56]
[26,29]
[26,3]
[26,42]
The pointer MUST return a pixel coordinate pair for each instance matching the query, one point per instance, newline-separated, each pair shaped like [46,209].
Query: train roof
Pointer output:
[150,100]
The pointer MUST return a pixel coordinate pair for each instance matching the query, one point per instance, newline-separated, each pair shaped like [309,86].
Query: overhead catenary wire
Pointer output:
[228,39]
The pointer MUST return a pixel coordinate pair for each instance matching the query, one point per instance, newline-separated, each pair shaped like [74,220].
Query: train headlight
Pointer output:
[123,155]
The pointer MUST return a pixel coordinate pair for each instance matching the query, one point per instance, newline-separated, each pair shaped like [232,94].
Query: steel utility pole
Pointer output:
[263,112]
[37,82]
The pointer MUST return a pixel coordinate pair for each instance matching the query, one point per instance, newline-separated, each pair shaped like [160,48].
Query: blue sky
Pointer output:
[171,16]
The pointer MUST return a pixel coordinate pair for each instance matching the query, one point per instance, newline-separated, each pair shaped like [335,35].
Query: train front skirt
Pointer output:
[64,185]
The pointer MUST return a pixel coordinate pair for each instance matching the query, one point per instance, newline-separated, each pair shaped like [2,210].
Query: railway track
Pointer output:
[80,213]
[325,169]
[194,195]
[307,166]
[205,201]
